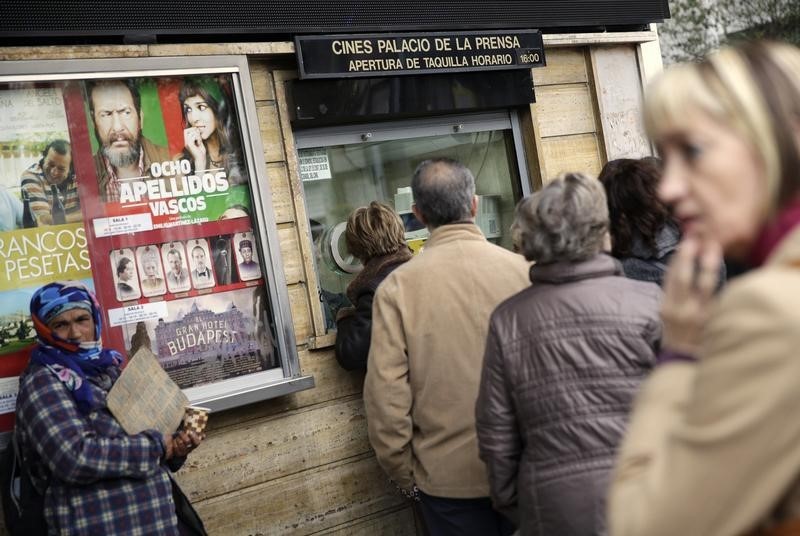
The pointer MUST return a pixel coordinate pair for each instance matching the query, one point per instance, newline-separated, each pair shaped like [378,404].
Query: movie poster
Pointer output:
[172,217]
[138,187]
[42,236]
[203,340]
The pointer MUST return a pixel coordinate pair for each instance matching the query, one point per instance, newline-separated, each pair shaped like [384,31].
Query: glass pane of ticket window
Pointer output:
[348,167]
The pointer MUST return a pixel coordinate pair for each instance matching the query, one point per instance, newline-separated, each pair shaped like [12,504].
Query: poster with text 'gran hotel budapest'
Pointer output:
[138,188]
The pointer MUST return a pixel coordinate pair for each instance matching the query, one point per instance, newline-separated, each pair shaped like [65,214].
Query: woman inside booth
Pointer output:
[96,478]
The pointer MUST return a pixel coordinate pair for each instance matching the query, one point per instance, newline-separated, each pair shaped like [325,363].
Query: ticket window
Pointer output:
[343,168]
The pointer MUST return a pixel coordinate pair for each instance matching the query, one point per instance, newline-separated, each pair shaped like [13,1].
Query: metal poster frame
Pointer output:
[243,386]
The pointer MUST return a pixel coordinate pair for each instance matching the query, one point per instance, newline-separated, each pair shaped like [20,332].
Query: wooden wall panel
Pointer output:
[564,66]
[301,314]
[619,98]
[332,383]
[253,453]
[397,523]
[262,81]
[290,251]
[281,192]
[572,153]
[270,128]
[303,503]
[565,109]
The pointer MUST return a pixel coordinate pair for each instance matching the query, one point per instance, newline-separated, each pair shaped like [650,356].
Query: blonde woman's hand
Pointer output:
[689,288]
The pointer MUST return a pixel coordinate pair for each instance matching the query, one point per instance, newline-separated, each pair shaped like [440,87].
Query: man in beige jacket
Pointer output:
[430,319]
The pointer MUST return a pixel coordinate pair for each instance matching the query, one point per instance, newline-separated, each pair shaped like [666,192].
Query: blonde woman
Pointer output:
[375,236]
[713,445]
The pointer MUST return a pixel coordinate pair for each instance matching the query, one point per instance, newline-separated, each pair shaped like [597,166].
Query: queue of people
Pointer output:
[558,390]
[583,399]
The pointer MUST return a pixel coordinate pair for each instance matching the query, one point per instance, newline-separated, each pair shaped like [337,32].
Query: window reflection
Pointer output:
[340,178]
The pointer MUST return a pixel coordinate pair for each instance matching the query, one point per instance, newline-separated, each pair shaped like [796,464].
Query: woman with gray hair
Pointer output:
[563,360]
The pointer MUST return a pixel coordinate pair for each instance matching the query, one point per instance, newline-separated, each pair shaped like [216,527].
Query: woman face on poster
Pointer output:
[125,269]
[203,134]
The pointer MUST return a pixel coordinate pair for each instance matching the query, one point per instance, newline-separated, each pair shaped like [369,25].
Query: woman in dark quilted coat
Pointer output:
[563,361]
[374,235]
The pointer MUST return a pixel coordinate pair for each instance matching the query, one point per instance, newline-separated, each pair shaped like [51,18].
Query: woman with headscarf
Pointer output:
[97,479]
[713,445]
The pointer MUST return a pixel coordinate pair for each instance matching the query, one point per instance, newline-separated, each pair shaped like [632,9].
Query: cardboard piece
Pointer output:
[145,397]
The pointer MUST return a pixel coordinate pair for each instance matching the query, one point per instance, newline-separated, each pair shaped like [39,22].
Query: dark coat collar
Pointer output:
[556,273]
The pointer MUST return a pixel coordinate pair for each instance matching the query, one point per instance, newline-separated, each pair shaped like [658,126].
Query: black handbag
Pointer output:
[189,522]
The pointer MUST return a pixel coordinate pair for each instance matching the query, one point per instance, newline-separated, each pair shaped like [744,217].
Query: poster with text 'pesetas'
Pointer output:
[139,187]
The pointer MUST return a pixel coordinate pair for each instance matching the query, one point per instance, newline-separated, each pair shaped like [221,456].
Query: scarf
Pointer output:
[774,232]
[72,362]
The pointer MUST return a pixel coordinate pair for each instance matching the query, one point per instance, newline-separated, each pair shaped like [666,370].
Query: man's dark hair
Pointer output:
[443,189]
[62,147]
[91,85]
[633,205]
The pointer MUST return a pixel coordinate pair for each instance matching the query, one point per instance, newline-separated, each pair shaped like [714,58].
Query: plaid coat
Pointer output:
[101,480]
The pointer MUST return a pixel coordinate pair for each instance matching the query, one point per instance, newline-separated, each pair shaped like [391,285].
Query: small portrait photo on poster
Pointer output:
[151,272]
[246,256]
[173,256]
[126,282]
[223,260]
[202,276]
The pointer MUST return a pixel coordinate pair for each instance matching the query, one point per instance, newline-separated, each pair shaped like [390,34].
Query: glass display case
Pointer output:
[142,178]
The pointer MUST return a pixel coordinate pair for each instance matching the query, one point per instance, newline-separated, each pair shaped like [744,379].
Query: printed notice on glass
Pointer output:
[137,313]
[314,164]
[117,225]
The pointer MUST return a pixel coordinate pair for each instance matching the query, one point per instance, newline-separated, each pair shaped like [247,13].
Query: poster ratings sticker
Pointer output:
[116,225]
[137,313]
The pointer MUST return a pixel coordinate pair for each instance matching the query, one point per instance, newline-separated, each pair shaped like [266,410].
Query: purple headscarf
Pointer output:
[71,361]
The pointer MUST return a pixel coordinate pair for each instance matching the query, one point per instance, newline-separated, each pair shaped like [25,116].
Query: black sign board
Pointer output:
[369,55]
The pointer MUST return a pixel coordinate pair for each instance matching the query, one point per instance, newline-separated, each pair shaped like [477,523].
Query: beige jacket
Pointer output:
[429,323]
[713,448]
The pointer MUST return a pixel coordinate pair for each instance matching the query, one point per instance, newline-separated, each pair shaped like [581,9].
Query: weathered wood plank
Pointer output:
[72,52]
[564,66]
[572,153]
[281,193]
[290,252]
[256,452]
[298,302]
[270,128]
[394,523]
[619,98]
[564,39]
[262,80]
[563,110]
[332,382]
[303,503]
[213,49]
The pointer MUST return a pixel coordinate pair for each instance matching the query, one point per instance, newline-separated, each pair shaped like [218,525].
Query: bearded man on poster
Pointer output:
[124,153]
